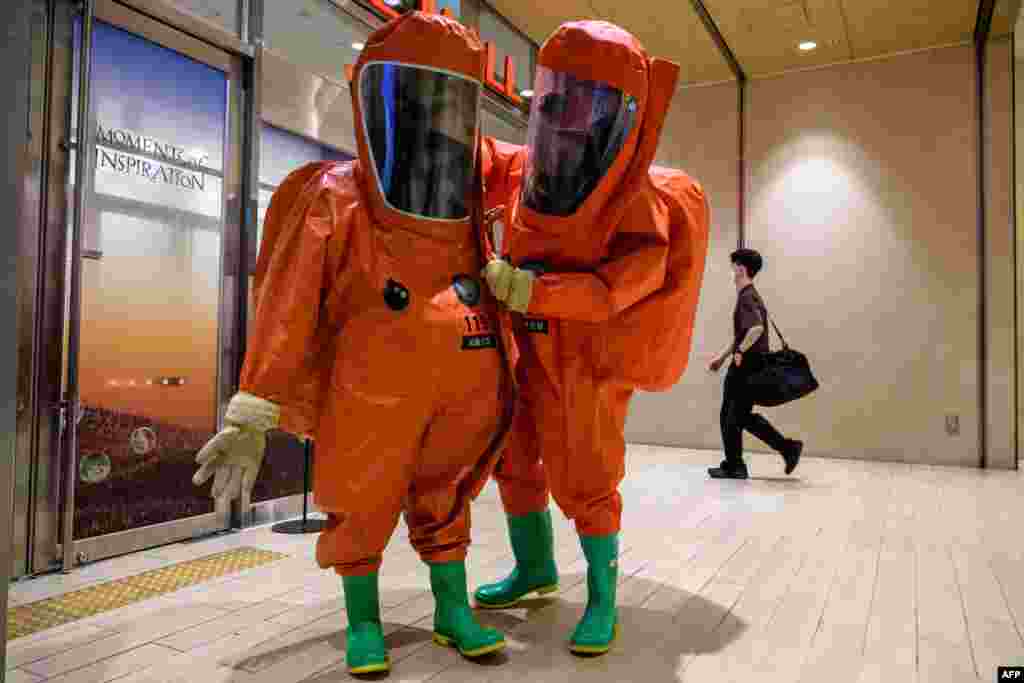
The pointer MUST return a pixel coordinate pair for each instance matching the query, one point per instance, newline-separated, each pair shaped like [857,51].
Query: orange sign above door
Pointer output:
[506,90]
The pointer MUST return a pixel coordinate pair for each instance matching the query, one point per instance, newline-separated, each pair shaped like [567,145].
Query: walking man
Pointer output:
[745,356]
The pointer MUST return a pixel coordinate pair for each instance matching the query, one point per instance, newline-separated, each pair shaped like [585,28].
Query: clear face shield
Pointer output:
[577,130]
[421,128]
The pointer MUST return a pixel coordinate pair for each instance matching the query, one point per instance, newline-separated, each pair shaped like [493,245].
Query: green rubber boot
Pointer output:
[533,544]
[599,625]
[365,651]
[454,622]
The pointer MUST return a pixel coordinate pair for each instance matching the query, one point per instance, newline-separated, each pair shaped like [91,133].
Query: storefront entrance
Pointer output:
[140,301]
[134,296]
[141,322]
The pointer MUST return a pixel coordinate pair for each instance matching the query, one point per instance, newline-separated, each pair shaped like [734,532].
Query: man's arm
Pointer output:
[749,315]
[752,319]
[726,353]
[753,334]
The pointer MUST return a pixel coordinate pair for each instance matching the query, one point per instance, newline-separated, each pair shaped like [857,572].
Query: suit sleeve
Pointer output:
[296,272]
[636,267]
[502,170]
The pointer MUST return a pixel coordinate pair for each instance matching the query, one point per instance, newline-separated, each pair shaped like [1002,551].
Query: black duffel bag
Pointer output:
[783,376]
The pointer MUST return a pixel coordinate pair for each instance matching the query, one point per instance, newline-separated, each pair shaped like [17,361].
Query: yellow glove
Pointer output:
[520,291]
[510,285]
[235,454]
[498,274]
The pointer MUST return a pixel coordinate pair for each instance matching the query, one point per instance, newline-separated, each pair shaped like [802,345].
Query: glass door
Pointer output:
[146,334]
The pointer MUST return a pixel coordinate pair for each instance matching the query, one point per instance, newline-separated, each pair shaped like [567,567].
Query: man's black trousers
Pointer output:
[737,414]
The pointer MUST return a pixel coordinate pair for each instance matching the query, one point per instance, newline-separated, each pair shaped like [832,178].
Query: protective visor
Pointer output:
[420,127]
[577,129]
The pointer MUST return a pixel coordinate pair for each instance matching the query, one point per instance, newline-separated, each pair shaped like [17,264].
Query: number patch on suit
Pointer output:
[479,333]
[536,325]
[478,324]
[474,342]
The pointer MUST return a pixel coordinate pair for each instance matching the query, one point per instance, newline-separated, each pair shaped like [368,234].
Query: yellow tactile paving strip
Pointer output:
[38,616]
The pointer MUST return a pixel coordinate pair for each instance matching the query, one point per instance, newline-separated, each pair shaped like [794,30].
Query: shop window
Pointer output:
[224,13]
[508,42]
[314,34]
[460,9]
[282,152]
[498,127]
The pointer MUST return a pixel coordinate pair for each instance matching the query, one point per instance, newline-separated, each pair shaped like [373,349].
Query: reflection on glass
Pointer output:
[152,235]
[282,152]
[224,13]
[313,34]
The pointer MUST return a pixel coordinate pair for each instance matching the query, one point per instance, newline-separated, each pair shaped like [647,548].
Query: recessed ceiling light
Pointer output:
[358,46]
[526,93]
[808,45]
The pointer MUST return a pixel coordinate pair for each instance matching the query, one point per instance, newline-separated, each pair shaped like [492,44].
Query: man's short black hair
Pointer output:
[748,258]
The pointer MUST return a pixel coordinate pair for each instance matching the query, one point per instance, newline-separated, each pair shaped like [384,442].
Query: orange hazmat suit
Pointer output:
[615,305]
[374,333]
[617,251]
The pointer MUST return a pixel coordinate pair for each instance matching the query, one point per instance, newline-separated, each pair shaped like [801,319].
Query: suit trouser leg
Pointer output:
[522,479]
[586,473]
[367,453]
[437,509]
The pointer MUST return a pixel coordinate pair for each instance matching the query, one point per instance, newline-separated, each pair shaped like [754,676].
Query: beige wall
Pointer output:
[1000,266]
[700,137]
[862,196]
[1019,206]
[864,203]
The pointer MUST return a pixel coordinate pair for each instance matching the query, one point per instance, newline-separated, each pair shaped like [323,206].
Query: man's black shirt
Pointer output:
[750,312]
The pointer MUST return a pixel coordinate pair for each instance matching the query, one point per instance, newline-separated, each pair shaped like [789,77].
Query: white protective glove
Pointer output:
[510,285]
[235,454]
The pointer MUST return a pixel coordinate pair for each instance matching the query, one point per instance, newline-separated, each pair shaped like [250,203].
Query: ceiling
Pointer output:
[764,34]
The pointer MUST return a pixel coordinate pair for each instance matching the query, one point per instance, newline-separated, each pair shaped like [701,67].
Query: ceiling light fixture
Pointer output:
[808,45]
[358,46]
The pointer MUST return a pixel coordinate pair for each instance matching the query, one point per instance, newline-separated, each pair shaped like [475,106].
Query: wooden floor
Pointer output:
[846,572]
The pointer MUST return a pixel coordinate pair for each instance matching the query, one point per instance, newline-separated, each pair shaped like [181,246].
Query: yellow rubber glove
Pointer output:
[510,285]
[520,291]
[498,274]
[235,454]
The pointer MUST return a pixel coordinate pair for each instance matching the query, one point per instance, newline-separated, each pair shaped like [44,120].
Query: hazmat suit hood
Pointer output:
[599,105]
[415,96]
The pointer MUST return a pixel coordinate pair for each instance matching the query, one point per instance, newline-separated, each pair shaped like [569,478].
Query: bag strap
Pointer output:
[785,346]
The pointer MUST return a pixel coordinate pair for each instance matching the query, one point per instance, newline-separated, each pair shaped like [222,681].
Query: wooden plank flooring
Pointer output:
[851,572]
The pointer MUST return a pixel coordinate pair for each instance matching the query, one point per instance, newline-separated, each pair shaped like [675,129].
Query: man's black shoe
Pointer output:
[792,455]
[725,471]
